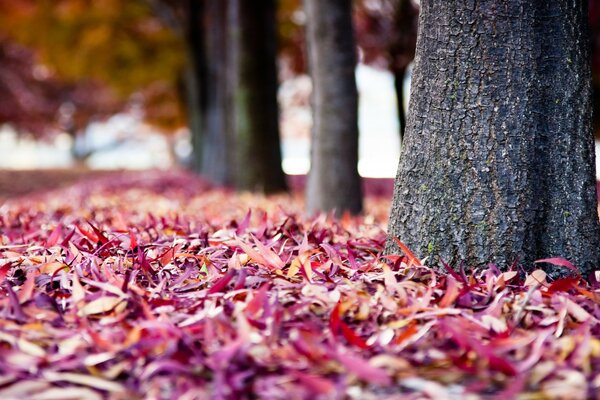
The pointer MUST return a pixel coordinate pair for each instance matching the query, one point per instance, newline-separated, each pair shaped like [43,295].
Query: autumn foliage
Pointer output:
[156,285]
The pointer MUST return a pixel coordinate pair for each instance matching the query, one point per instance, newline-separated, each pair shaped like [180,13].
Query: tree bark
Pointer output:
[333,181]
[253,76]
[498,159]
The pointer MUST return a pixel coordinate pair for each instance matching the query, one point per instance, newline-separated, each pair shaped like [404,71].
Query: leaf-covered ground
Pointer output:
[156,286]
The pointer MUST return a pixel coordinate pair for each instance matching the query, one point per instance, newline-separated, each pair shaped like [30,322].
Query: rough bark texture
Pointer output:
[333,181]
[254,96]
[498,158]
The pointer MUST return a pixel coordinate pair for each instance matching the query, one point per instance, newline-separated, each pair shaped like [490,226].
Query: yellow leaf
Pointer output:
[537,277]
[77,292]
[52,267]
[577,312]
[294,268]
[99,306]
[85,380]
[507,276]
[30,348]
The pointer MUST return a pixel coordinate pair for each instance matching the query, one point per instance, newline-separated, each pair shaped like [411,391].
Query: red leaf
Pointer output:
[500,364]
[67,238]
[222,283]
[337,325]
[89,235]
[144,264]
[54,236]
[101,236]
[563,284]
[168,255]
[407,333]
[561,262]
[412,259]
[132,240]
[334,319]
[352,337]
[4,271]
[258,301]
[495,362]
[452,272]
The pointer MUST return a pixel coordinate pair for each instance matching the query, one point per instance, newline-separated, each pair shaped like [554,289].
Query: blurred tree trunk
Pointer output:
[333,181]
[254,109]
[217,157]
[195,76]
[399,76]
[498,161]
[231,89]
[203,26]
[401,50]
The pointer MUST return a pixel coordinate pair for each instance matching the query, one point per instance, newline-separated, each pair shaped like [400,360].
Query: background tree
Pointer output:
[86,60]
[291,20]
[217,154]
[37,102]
[27,100]
[333,181]
[202,27]
[498,162]
[218,59]
[231,85]
[387,35]
[254,107]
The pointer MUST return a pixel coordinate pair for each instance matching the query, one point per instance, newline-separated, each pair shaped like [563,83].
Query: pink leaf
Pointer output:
[54,236]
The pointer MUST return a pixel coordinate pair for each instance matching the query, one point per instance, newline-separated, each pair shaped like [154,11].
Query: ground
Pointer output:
[155,285]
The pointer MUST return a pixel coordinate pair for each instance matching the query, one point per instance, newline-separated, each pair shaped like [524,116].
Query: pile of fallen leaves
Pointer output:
[160,287]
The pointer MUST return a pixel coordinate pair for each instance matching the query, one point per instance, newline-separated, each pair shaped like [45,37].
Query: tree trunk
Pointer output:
[498,159]
[401,50]
[254,85]
[217,159]
[195,78]
[333,181]
[399,75]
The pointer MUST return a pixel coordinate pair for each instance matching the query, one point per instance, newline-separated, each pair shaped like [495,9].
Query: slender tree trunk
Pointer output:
[401,50]
[333,181]
[498,158]
[399,75]
[195,82]
[217,159]
[253,76]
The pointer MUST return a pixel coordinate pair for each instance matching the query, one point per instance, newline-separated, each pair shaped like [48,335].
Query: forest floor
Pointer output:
[155,285]
[16,183]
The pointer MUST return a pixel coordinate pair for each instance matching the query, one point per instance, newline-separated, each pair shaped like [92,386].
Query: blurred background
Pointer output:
[113,84]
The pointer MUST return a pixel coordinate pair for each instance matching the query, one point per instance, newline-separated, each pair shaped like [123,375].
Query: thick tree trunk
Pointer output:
[253,76]
[333,182]
[498,158]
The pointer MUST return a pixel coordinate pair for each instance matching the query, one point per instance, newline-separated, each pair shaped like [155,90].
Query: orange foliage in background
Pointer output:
[114,48]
